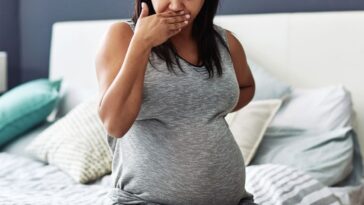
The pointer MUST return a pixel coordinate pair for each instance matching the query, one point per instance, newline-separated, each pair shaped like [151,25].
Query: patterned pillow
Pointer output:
[75,144]
[280,185]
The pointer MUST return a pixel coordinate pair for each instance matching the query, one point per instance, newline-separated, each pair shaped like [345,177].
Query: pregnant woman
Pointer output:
[167,79]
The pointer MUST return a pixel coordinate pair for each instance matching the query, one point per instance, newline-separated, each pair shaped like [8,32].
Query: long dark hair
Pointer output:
[203,32]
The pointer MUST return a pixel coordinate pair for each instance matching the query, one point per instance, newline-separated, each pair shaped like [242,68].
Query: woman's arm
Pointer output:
[121,83]
[242,71]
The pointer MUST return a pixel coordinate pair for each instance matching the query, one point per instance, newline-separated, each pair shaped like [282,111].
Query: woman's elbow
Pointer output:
[115,134]
[252,91]
[113,130]
[109,126]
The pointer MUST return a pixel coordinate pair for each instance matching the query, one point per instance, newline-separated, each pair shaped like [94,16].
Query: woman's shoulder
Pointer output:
[223,31]
[115,40]
[130,23]
[229,37]
[122,26]
[219,29]
[226,35]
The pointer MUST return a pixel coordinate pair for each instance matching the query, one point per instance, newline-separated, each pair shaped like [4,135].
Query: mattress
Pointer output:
[18,145]
[27,181]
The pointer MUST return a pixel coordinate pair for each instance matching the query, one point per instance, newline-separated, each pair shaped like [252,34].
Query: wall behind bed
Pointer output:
[31,20]
[9,38]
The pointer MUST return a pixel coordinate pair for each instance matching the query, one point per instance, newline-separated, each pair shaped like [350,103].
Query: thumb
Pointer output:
[145,10]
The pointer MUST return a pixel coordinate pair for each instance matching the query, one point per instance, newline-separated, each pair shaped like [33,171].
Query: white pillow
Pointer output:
[267,86]
[76,144]
[324,108]
[249,124]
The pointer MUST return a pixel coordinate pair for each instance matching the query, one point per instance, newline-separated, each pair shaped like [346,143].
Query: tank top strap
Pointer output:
[223,33]
[131,23]
[224,51]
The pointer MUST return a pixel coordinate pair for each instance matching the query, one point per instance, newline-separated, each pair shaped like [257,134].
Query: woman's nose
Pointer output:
[176,5]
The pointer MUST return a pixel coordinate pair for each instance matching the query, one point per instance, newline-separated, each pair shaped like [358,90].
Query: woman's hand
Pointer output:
[158,28]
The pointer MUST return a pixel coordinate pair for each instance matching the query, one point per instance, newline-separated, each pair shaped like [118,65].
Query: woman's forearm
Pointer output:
[121,102]
[246,95]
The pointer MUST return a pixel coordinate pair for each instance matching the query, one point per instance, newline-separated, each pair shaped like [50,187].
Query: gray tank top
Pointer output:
[180,150]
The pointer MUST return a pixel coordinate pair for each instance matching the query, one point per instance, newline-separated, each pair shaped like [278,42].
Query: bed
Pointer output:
[304,50]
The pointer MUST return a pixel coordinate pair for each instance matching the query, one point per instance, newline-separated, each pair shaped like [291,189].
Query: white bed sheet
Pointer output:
[26,181]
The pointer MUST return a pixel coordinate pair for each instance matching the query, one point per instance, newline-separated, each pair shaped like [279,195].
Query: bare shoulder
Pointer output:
[120,27]
[239,59]
[111,53]
[114,43]
[118,34]
[235,45]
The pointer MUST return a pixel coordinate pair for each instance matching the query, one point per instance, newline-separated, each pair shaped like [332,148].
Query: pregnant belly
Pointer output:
[204,167]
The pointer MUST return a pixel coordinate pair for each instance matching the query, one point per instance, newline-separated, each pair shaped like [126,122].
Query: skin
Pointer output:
[242,71]
[186,46]
[183,41]
[123,56]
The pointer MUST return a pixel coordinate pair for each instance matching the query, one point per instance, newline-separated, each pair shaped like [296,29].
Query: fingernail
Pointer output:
[182,12]
[188,16]
[186,22]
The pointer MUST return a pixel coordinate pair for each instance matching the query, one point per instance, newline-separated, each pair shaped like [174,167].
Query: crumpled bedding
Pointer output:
[27,181]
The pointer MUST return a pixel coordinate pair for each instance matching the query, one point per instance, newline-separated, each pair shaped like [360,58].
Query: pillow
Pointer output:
[76,144]
[273,184]
[324,108]
[266,85]
[356,176]
[26,106]
[325,155]
[248,124]
[17,147]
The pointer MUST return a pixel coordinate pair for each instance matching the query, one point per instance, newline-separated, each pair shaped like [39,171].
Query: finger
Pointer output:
[177,19]
[145,10]
[172,13]
[177,26]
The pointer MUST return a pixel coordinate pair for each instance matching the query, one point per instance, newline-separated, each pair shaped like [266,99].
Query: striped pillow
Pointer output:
[75,144]
[282,185]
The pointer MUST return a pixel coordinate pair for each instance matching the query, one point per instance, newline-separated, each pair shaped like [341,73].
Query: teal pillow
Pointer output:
[27,105]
